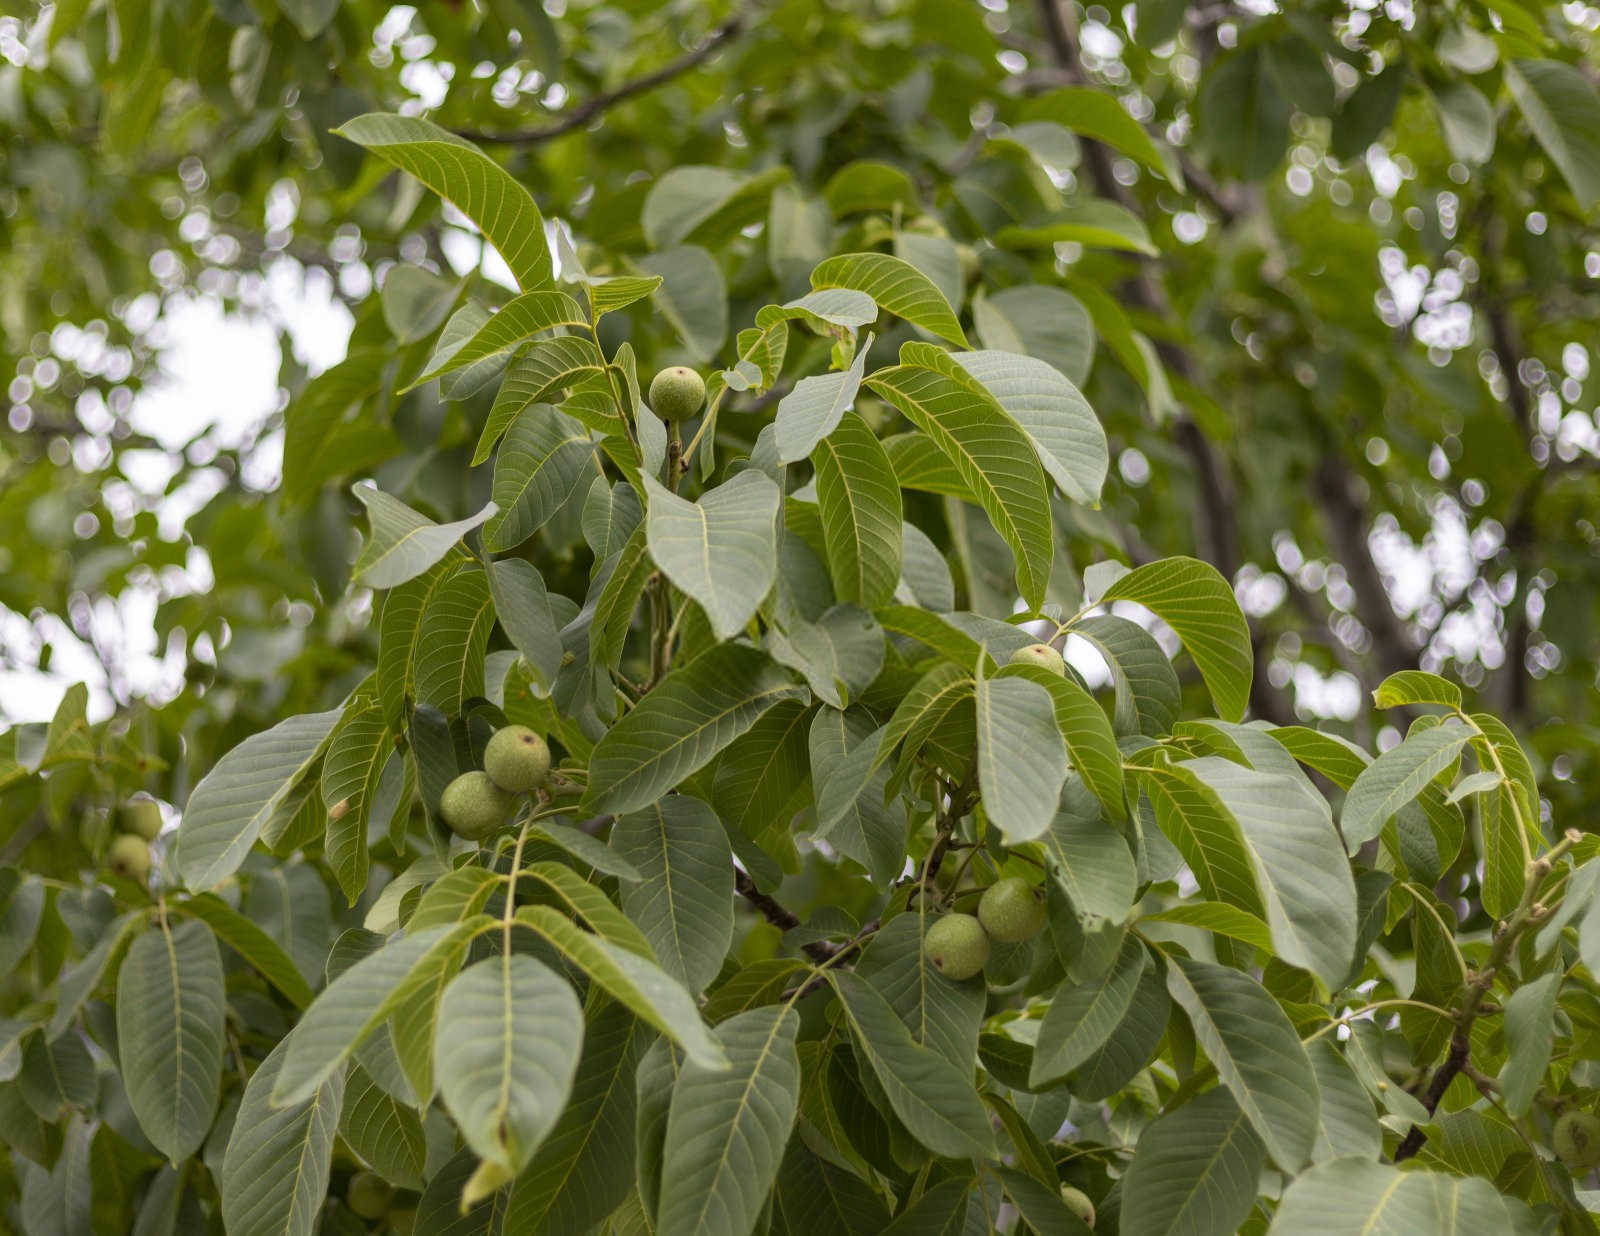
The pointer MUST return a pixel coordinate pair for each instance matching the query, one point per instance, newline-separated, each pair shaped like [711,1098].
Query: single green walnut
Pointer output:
[1576,1140]
[957,946]
[141,817]
[1011,910]
[129,857]
[1079,1204]
[1042,655]
[516,759]
[676,393]
[474,806]
[369,1195]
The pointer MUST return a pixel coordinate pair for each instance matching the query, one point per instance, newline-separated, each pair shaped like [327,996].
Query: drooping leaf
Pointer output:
[510,1033]
[859,500]
[897,286]
[170,1015]
[275,1173]
[1195,1170]
[726,1129]
[1256,1051]
[684,903]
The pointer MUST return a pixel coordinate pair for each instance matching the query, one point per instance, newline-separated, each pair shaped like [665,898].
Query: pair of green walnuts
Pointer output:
[140,821]
[1010,911]
[479,803]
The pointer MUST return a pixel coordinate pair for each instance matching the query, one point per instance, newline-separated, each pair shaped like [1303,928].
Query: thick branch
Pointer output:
[597,104]
[781,918]
[1459,1058]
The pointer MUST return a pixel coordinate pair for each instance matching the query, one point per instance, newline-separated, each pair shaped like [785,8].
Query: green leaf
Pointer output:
[383,1131]
[1094,223]
[360,1000]
[439,1210]
[1091,745]
[1022,760]
[859,500]
[1299,868]
[897,286]
[1053,412]
[684,903]
[726,1129]
[1355,1197]
[1467,120]
[514,323]
[1099,115]
[404,544]
[251,943]
[227,810]
[1256,1052]
[510,1032]
[1346,1123]
[641,986]
[840,654]
[416,301]
[1530,1035]
[1218,917]
[991,452]
[677,728]
[451,640]
[584,1169]
[170,1014]
[1040,321]
[1194,1171]
[811,411]
[1146,685]
[626,575]
[544,456]
[760,772]
[1090,860]
[941,1014]
[359,749]
[522,605]
[468,179]
[1041,1206]
[1081,1018]
[1193,599]
[705,203]
[815,1198]
[850,784]
[693,296]
[935,1099]
[1397,777]
[1560,103]
[721,550]
[275,1172]
[546,368]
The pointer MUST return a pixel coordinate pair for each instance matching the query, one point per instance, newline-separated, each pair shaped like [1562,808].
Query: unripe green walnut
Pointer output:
[474,806]
[1042,655]
[1576,1140]
[676,393]
[368,1195]
[129,857]
[1011,911]
[1079,1204]
[516,759]
[140,817]
[957,946]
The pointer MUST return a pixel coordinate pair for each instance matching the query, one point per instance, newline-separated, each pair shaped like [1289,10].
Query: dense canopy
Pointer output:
[1240,353]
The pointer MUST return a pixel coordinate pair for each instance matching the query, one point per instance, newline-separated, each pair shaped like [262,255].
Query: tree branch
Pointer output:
[781,918]
[1459,1058]
[598,104]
